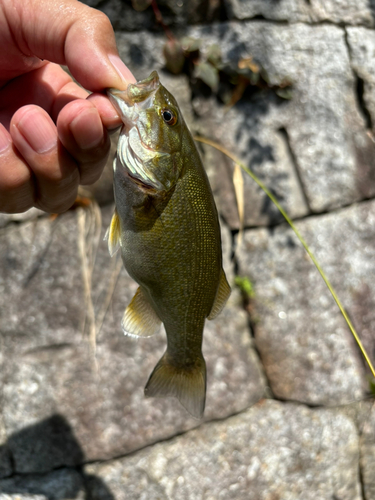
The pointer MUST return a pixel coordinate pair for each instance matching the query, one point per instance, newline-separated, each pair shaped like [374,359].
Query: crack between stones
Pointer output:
[360,472]
[85,477]
[359,86]
[250,325]
[80,467]
[48,348]
[283,22]
[293,159]
[361,101]
[312,214]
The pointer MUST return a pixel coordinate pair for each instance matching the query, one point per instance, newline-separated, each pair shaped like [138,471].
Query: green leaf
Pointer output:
[285,93]
[372,386]
[245,285]
[140,5]
[190,44]
[174,56]
[214,55]
[208,74]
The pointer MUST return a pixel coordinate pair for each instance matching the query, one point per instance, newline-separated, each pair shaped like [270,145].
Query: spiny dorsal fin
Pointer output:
[186,383]
[113,234]
[140,319]
[222,295]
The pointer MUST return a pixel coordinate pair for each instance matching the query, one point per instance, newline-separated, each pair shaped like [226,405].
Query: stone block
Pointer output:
[49,367]
[272,450]
[307,350]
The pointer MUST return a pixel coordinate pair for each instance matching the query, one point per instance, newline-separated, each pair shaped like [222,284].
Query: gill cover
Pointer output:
[150,140]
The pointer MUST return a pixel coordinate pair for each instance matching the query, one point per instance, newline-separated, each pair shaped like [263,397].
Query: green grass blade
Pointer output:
[299,236]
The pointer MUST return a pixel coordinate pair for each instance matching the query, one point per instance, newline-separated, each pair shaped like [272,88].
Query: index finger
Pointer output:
[71,33]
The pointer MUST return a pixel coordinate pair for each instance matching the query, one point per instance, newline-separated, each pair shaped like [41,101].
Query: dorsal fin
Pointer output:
[222,295]
[113,234]
[140,319]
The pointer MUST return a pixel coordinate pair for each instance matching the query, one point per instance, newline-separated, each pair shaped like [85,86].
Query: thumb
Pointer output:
[71,33]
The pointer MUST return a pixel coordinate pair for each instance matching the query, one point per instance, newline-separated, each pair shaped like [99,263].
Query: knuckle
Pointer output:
[57,204]
[15,197]
[91,172]
[101,20]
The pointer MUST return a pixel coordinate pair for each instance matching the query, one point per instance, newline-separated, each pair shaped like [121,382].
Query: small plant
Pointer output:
[227,80]
[245,286]
[372,386]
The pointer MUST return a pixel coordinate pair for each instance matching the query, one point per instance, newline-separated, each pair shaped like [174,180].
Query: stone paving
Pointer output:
[289,413]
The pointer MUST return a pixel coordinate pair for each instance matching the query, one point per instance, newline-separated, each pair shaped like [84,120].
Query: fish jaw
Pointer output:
[135,98]
[142,162]
[139,162]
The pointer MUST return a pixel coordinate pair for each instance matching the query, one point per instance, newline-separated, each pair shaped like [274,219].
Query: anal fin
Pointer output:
[139,318]
[222,295]
[113,234]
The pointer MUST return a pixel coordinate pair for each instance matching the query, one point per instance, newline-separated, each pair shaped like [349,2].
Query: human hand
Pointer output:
[52,137]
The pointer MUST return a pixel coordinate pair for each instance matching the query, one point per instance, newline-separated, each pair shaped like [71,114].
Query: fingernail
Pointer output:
[87,129]
[38,131]
[123,71]
[5,140]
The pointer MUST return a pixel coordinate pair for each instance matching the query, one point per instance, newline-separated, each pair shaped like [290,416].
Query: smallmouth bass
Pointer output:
[167,227]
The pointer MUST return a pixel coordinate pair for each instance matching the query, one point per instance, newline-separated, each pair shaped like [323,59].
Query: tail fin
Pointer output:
[186,383]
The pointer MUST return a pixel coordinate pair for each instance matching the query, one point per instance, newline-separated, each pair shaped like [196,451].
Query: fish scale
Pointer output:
[167,226]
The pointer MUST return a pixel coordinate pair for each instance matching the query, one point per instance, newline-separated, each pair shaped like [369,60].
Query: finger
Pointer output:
[70,33]
[81,131]
[109,116]
[16,182]
[57,177]
[49,87]
[66,94]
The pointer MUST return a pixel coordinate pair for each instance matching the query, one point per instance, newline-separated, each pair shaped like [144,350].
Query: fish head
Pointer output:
[150,141]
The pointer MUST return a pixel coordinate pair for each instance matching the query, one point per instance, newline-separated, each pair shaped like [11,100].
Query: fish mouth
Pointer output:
[137,157]
[135,98]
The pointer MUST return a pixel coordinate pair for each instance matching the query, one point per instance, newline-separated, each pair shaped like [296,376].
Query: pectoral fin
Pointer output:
[222,295]
[113,234]
[140,319]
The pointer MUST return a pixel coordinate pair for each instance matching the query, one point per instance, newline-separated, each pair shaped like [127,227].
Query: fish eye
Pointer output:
[168,116]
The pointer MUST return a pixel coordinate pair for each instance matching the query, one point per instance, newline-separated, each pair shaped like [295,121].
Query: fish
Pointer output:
[167,227]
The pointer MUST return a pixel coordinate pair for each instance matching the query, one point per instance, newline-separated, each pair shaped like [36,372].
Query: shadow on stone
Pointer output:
[46,459]
[371,4]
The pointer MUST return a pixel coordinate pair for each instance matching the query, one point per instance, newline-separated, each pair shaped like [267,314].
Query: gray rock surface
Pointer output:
[271,451]
[352,12]
[251,131]
[61,406]
[315,144]
[314,151]
[325,130]
[102,401]
[307,350]
[31,214]
[361,42]
[367,442]
[175,13]
[282,10]
[143,52]
[5,458]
